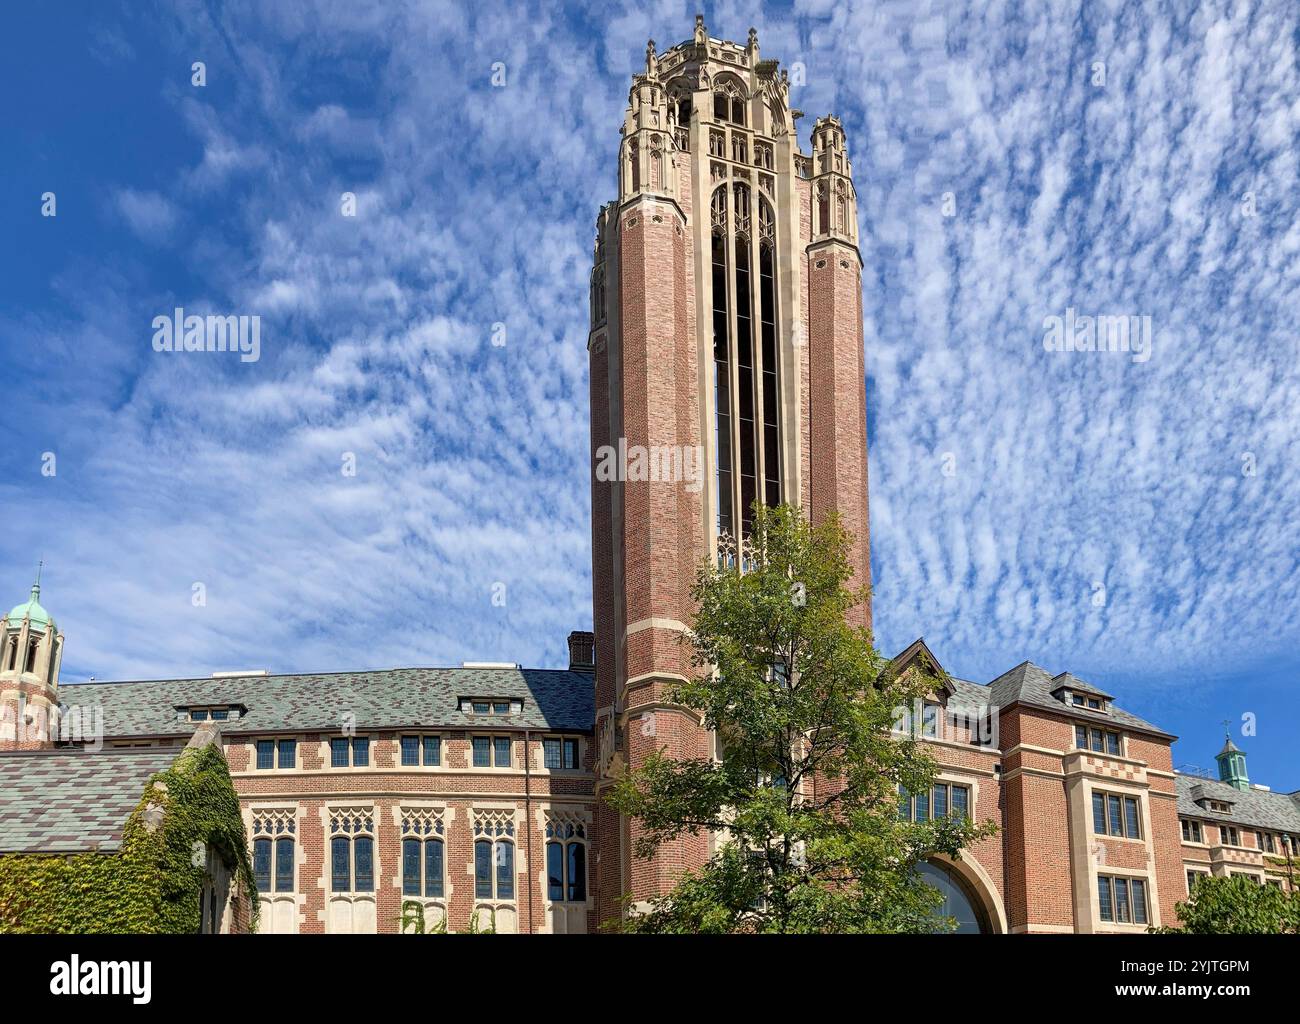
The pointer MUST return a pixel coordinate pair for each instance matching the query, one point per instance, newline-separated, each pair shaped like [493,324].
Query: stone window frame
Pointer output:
[1124,797]
[286,816]
[496,825]
[1105,751]
[562,739]
[949,782]
[276,767]
[1200,872]
[1199,828]
[368,830]
[571,826]
[327,752]
[422,735]
[492,738]
[1107,880]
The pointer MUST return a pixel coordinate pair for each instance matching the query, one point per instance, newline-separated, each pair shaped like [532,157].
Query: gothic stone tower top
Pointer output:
[726,354]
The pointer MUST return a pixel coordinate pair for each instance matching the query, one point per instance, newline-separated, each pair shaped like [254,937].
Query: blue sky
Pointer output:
[1131,522]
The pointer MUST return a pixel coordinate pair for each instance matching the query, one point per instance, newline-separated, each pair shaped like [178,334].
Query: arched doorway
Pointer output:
[960,901]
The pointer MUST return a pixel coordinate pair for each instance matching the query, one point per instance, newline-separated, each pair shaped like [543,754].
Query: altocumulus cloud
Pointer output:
[1077,508]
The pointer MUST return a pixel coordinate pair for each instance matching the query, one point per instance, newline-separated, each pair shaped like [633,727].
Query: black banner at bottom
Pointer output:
[149,974]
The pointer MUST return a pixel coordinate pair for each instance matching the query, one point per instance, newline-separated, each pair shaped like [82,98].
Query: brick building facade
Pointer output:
[727,367]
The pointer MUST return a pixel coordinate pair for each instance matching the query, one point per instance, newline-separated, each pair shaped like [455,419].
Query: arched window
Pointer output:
[598,295]
[566,861]
[636,166]
[30,665]
[823,209]
[729,104]
[656,167]
[959,901]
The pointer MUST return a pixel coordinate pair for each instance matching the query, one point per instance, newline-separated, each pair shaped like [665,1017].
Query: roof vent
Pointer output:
[236,675]
[490,664]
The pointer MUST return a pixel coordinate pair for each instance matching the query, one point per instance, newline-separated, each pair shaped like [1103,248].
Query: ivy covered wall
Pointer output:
[154,881]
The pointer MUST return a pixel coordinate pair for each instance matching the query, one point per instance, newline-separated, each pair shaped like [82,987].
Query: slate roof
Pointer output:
[72,800]
[1256,807]
[1069,681]
[1029,684]
[391,698]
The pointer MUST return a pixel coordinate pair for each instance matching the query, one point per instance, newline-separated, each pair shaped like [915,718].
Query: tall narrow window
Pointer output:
[505,857]
[483,869]
[767,321]
[262,864]
[284,848]
[273,835]
[494,855]
[554,871]
[745,363]
[341,864]
[411,867]
[422,852]
[721,361]
[566,860]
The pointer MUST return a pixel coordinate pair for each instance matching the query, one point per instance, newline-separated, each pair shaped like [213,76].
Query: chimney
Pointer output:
[582,651]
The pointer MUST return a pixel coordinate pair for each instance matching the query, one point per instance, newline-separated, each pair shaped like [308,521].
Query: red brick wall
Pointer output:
[838,441]
[386,785]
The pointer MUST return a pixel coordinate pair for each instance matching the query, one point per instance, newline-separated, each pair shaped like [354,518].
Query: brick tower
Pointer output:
[726,368]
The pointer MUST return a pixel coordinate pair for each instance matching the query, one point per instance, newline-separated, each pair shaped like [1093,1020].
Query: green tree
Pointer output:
[1237,906]
[806,790]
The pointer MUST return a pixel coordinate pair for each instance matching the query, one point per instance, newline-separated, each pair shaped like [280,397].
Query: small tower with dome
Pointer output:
[31,648]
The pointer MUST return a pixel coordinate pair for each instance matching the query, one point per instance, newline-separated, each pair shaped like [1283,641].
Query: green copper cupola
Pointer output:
[31,611]
[1232,765]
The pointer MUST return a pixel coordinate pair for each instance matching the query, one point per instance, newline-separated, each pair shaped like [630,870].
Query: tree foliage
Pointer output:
[804,798]
[1238,905]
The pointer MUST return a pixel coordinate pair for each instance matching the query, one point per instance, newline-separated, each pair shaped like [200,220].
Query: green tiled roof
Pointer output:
[391,698]
[72,800]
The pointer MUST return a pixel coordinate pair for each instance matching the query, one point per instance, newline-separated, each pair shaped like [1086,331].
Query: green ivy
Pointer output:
[152,884]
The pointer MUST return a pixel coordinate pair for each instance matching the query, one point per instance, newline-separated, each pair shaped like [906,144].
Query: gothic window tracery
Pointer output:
[566,857]
[274,835]
[494,855]
[423,852]
[352,849]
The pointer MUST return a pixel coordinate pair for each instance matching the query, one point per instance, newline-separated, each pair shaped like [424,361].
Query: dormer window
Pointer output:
[213,713]
[497,706]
